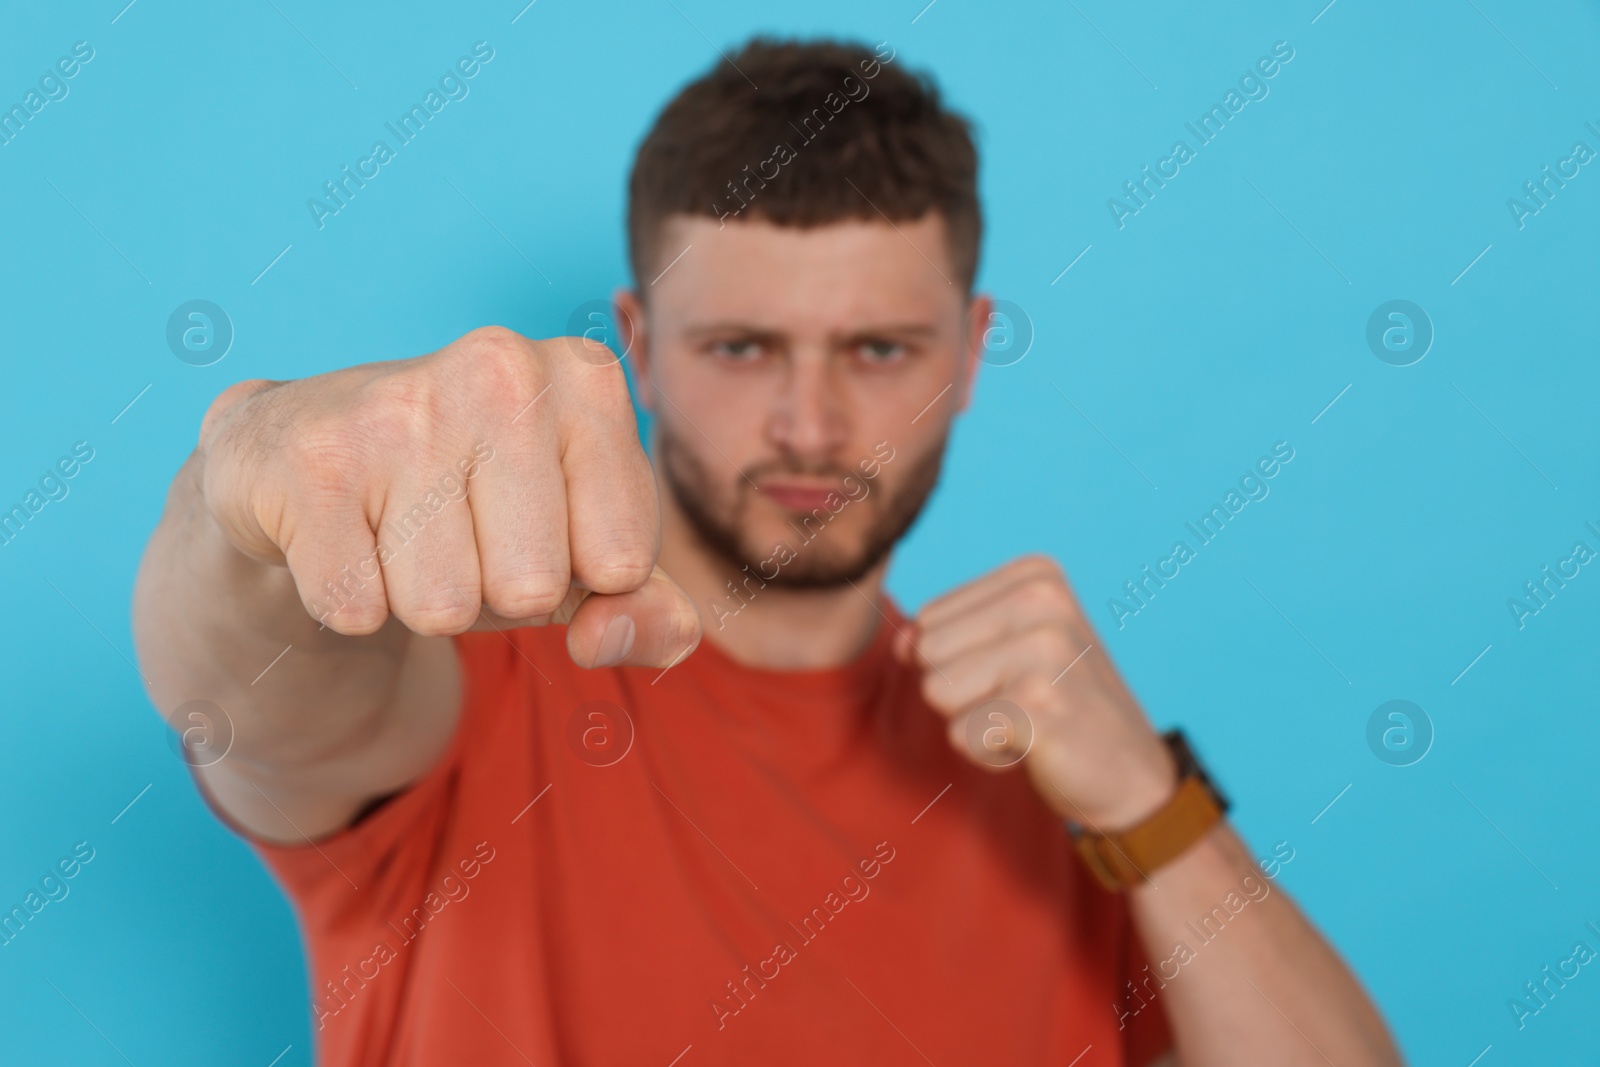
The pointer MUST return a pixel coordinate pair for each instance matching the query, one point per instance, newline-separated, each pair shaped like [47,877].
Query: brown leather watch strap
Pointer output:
[1126,858]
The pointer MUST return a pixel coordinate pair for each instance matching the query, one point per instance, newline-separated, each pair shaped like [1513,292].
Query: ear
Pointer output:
[979,310]
[629,316]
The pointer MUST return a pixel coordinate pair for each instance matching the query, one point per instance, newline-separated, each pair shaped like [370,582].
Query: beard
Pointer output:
[818,563]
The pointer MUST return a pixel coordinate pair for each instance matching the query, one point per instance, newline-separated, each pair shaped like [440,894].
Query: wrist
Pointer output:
[1146,790]
[1124,856]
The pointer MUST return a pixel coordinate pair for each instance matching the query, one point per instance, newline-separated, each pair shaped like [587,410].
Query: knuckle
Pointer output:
[439,616]
[400,409]
[1041,566]
[322,459]
[1050,596]
[226,404]
[1051,652]
[527,596]
[502,361]
[494,341]
[506,373]
[1045,643]
[614,574]
[936,692]
[351,620]
[619,564]
[1043,595]
[585,348]
[603,386]
[683,629]
[344,603]
[933,645]
[1032,694]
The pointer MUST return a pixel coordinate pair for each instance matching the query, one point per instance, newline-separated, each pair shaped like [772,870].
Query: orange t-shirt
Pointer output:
[718,864]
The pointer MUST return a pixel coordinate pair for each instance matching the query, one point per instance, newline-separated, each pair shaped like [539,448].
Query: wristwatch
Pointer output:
[1125,858]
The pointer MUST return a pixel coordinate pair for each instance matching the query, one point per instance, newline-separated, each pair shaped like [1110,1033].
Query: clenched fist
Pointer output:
[498,481]
[1013,664]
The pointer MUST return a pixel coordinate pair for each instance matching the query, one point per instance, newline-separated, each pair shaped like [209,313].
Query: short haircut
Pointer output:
[836,131]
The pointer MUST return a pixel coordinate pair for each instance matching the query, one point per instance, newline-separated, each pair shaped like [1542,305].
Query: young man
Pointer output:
[522,823]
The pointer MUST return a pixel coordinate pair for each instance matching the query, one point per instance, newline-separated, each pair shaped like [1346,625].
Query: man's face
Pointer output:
[803,383]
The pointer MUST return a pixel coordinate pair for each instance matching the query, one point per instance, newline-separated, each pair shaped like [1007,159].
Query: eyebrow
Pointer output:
[766,335]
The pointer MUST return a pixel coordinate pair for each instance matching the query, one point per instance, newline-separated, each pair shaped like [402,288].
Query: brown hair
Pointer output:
[834,132]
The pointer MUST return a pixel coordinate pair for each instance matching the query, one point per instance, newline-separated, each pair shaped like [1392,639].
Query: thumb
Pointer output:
[655,625]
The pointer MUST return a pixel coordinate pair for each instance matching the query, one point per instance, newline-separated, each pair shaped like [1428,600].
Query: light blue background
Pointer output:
[1214,324]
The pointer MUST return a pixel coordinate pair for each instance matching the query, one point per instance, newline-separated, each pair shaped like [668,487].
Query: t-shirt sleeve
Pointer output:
[325,877]
[1147,1036]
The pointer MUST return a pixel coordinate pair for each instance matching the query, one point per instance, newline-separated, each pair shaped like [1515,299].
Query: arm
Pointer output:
[329,535]
[1268,989]
[308,740]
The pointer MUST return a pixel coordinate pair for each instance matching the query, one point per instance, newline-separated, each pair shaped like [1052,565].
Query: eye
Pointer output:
[736,351]
[879,353]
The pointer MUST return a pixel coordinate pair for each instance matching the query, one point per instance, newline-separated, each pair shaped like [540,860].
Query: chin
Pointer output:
[790,555]
[809,533]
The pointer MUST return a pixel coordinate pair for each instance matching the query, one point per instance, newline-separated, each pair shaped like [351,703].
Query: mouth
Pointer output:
[799,496]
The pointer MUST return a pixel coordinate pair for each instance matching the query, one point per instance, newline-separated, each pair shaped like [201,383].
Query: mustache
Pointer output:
[830,470]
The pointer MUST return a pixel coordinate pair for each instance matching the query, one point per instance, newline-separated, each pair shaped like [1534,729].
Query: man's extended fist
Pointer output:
[1013,664]
[498,481]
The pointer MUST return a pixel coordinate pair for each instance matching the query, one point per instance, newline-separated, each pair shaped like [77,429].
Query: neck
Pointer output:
[770,626]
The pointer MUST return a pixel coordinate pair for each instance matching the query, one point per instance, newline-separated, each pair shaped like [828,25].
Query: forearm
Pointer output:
[212,624]
[1240,973]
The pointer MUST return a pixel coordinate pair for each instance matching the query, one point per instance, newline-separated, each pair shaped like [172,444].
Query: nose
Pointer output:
[810,414]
